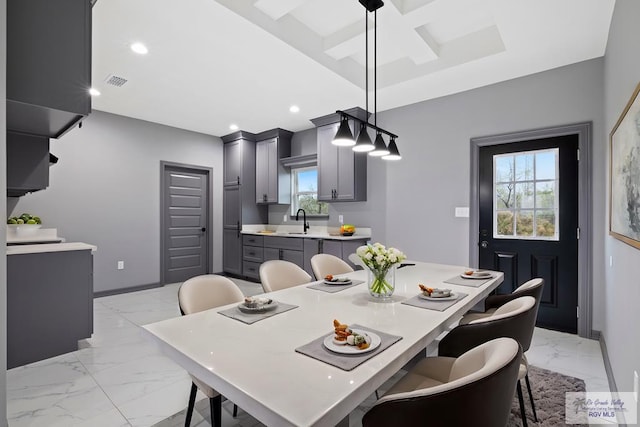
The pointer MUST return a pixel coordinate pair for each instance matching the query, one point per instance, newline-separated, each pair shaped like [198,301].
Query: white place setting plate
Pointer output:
[338,281]
[451,296]
[352,349]
[477,275]
[260,309]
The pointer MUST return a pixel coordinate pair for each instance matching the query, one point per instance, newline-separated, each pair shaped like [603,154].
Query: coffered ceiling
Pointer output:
[212,63]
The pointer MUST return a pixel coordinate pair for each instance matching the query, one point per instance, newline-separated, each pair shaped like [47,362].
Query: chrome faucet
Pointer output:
[305,224]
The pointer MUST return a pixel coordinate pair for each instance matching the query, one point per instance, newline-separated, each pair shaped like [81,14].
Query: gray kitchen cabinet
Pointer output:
[273,180]
[332,247]
[311,248]
[49,304]
[48,65]
[342,173]
[298,250]
[232,252]
[252,255]
[238,199]
[27,163]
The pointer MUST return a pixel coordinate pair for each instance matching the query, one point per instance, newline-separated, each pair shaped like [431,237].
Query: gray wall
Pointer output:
[432,178]
[105,190]
[622,287]
[3,214]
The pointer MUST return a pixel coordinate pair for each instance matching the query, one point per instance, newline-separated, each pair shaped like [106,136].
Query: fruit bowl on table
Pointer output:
[347,233]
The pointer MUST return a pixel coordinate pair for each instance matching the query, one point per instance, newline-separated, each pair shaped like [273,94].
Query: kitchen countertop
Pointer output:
[315,232]
[50,247]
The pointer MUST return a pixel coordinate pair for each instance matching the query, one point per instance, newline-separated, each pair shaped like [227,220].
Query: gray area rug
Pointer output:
[549,390]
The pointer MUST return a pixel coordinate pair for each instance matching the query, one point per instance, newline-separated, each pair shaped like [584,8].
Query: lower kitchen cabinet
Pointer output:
[49,304]
[258,249]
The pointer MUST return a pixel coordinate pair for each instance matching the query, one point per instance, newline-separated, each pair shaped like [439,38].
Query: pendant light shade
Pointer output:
[380,148]
[363,143]
[344,137]
[394,154]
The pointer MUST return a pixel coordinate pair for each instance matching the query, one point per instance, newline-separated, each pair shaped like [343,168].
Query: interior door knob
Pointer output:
[484,244]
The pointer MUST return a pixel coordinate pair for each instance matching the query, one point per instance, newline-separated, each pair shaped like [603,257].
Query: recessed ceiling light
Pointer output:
[94,92]
[294,109]
[233,126]
[139,48]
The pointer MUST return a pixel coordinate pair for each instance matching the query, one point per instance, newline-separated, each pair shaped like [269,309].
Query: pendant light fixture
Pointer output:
[344,137]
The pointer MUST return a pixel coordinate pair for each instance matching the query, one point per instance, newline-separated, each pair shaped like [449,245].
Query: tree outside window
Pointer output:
[526,197]
[304,192]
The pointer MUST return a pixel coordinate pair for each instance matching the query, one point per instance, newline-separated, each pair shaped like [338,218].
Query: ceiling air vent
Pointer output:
[114,80]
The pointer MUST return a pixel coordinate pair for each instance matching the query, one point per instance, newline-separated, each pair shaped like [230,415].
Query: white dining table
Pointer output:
[256,366]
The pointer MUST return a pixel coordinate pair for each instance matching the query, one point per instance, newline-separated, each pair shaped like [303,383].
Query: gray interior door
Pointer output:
[186,214]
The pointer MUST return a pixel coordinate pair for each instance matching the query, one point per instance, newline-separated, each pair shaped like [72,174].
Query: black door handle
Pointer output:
[203,229]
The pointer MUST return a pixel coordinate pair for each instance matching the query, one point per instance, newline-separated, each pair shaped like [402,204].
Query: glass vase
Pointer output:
[381,283]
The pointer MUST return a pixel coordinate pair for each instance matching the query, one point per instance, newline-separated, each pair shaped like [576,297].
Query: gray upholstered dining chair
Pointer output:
[198,294]
[474,389]
[279,274]
[531,288]
[516,319]
[325,264]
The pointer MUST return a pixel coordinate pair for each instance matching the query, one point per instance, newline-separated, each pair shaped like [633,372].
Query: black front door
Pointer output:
[529,221]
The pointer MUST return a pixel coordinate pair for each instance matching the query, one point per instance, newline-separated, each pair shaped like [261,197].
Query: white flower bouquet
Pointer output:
[379,261]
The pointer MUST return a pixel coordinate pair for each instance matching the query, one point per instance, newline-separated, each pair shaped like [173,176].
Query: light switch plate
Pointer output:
[340,219]
[284,219]
[462,212]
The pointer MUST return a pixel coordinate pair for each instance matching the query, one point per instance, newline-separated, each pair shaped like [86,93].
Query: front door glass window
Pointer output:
[526,195]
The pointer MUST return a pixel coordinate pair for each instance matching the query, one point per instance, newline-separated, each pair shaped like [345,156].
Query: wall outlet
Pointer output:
[340,219]
[284,218]
[120,265]
[635,385]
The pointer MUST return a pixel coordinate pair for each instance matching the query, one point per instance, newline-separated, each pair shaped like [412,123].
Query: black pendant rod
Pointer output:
[366,60]
[366,123]
[375,67]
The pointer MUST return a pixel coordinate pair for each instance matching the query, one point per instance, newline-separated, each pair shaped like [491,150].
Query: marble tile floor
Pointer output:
[118,378]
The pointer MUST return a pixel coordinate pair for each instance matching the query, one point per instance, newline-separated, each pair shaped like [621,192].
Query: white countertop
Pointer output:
[49,247]
[257,367]
[315,232]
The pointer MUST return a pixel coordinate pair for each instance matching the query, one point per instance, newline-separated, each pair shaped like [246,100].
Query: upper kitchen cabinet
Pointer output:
[273,180]
[27,163]
[48,65]
[342,173]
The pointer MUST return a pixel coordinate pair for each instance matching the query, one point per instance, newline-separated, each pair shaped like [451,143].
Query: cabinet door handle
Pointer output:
[238,179]
[238,229]
[280,253]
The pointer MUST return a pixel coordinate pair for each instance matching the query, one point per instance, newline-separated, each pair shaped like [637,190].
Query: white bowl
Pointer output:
[25,229]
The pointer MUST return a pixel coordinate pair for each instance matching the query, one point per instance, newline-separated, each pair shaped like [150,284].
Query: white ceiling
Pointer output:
[216,62]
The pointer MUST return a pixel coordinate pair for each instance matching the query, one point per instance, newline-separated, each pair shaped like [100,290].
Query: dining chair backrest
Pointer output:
[325,264]
[515,319]
[279,274]
[480,391]
[355,260]
[531,288]
[207,291]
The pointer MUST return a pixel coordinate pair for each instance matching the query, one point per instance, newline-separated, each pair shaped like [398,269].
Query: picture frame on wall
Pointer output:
[624,174]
